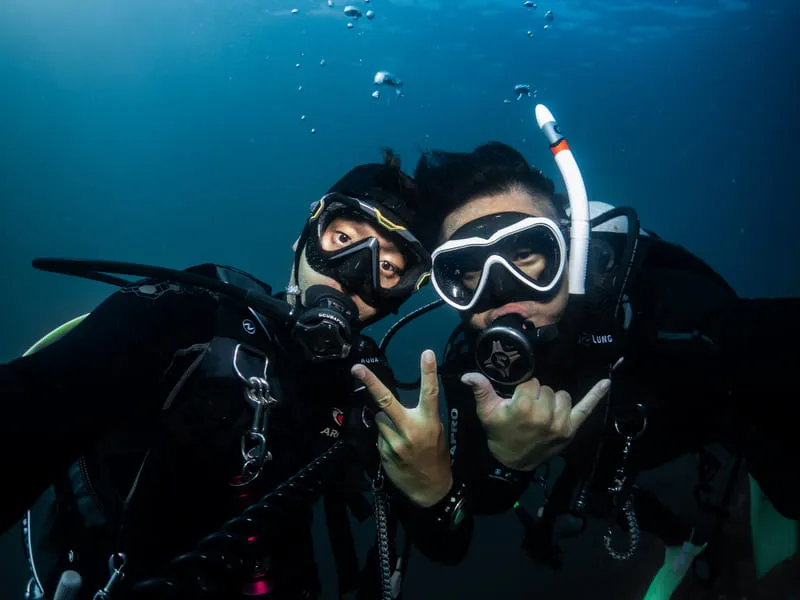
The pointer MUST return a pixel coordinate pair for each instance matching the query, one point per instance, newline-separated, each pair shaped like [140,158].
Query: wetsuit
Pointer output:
[706,365]
[144,392]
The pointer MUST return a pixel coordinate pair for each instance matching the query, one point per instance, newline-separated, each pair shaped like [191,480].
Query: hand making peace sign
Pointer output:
[411,441]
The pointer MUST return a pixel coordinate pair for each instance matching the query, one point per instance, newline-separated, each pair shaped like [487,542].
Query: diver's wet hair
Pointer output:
[448,180]
[384,184]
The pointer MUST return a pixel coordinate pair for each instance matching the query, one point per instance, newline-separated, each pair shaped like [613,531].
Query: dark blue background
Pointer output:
[170,133]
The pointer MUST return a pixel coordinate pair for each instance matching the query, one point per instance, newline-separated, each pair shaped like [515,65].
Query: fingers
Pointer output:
[581,411]
[527,396]
[563,402]
[387,452]
[382,396]
[429,388]
[481,388]
[389,436]
[486,400]
[394,446]
[530,388]
[562,412]
[541,406]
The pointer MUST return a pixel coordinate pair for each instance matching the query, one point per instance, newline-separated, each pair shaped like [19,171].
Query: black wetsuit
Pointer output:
[707,366]
[145,391]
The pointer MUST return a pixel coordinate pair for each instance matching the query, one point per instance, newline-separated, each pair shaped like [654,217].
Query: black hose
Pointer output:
[409,317]
[407,385]
[96,269]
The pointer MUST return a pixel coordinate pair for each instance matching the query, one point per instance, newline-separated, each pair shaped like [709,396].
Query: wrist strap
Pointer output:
[450,511]
[499,471]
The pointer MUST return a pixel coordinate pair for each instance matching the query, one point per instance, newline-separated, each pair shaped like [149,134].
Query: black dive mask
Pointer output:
[327,327]
[508,351]
[357,266]
[500,258]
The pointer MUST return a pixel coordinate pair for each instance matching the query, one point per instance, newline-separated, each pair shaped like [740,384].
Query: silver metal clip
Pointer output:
[116,568]
[620,479]
[254,441]
[621,474]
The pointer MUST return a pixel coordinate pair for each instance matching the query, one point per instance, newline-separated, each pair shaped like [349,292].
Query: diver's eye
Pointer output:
[522,254]
[342,238]
[389,274]
[389,267]
[529,262]
[470,279]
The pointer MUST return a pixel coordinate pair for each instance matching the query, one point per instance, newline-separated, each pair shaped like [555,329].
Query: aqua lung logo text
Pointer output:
[588,339]
[249,326]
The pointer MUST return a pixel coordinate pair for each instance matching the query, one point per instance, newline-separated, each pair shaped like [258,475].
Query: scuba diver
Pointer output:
[187,395]
[688,362]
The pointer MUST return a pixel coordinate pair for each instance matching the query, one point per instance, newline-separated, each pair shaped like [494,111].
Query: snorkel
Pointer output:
[579,230]
[509,351]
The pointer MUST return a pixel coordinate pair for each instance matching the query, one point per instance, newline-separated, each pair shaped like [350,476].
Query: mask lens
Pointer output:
[533,253]
[357,261]
[333,212]
[348,236]
[458,273]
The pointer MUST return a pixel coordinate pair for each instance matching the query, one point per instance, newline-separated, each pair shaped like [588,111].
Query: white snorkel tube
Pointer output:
[578,200]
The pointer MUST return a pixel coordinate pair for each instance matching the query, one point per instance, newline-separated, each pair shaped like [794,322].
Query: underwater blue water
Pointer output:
[170,132]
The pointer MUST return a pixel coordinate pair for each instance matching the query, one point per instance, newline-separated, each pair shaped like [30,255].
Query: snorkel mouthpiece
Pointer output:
[506,352]
[327,329]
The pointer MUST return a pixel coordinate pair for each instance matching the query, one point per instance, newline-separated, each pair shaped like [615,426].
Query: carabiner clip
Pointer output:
[633,437]
[246,380]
